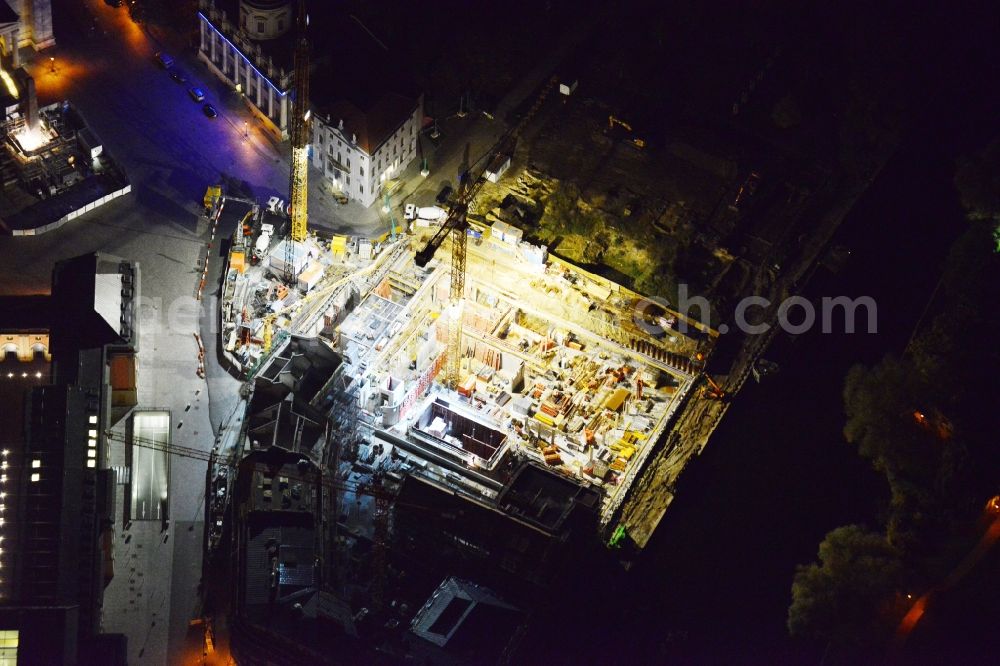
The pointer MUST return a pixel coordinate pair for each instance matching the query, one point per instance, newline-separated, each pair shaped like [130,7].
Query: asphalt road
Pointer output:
[171,152]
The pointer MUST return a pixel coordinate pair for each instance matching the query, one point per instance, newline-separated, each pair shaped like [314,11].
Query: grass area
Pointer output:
[614,233]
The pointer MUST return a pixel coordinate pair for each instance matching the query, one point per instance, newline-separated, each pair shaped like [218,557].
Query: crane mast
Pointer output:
[298,186]
[459,247]
[456,225]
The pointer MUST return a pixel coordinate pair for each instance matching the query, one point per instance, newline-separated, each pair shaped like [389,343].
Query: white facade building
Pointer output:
[236,56]
[357,146]
[265,19]
[25,23]
[358,151]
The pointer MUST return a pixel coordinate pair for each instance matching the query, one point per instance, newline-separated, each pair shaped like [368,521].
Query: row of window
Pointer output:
[36,463]
[397,145]
[9,640]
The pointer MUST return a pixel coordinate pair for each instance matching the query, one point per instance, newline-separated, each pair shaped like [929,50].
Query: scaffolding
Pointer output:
[340,395]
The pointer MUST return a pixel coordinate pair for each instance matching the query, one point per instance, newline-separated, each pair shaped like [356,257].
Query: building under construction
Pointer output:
[472,405]
[560,398]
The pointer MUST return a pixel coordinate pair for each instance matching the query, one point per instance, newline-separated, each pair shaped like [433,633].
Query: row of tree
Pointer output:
[929,421]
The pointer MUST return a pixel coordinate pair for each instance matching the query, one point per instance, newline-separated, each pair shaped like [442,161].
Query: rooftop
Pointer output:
[372,123]
[465,617]
[280,485]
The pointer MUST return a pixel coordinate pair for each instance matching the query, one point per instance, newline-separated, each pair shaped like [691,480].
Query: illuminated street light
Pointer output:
[246,130]
[52,65]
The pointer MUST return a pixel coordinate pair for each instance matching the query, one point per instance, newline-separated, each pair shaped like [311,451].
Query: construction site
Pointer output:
[448,362]
[376,369]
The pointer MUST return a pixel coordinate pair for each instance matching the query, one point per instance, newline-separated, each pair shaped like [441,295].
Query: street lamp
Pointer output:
[246,130]
[52,64]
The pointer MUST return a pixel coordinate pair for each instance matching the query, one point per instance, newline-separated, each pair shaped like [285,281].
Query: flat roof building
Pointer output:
[57,505]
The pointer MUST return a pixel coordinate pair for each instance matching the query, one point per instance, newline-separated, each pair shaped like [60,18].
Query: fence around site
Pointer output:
[52,226]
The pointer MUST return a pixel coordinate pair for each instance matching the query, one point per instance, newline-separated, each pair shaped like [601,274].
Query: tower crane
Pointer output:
[299,177]
[456,226]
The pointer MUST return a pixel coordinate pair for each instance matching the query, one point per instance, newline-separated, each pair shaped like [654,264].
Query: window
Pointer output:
[260,26]
[281,24]
[362,170]
[92,419]
[348,179]
[91,464]
[36,463]
[362,189]
[35,477]
[8,647]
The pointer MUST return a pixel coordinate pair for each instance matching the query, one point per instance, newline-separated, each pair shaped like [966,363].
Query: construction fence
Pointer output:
[52,226]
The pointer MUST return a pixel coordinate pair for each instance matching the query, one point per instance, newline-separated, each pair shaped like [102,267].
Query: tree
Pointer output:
[881,403]
[849,597]
[929,421]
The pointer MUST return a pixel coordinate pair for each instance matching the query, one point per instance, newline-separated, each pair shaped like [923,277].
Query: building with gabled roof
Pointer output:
[364,120]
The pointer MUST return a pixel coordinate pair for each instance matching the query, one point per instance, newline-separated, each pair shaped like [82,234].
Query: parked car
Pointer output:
[165,60]
[178,76]
[197,94]
[210,111]
[443,195]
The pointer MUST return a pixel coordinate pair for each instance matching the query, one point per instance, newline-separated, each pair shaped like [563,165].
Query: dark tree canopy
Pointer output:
[929,419]
[846,598]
